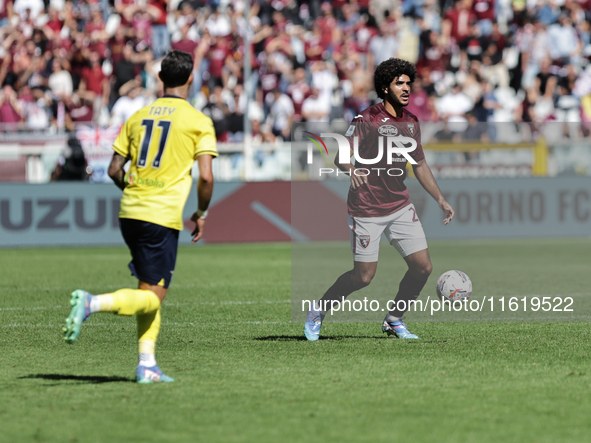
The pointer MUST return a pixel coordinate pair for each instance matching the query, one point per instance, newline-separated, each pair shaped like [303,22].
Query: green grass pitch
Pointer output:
[244,373]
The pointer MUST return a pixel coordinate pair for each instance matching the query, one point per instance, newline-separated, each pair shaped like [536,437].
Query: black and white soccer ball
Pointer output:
[454,285]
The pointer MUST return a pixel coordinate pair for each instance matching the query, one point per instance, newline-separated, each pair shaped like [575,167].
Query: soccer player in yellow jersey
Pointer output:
[161,141]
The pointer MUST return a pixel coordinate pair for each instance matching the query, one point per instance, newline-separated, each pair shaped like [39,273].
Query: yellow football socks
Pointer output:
[128,302]
[141,302]
[148,327]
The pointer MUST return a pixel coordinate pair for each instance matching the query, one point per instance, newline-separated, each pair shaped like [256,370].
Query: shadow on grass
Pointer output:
[82,379]
[303,338]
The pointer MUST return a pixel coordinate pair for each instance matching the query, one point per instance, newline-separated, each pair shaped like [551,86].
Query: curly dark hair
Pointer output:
[390,69]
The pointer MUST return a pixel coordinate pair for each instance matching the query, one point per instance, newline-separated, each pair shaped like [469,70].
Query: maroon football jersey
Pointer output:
[385,191]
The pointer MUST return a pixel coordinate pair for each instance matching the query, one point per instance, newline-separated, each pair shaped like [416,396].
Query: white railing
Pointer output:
[264,162]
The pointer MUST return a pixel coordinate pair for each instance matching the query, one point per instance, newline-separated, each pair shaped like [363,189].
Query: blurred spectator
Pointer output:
[117,45]
[454,104]
[260,134]
[485,107]
[495,69]
[298,91]
[36,111]
[133,98]
[545,82]
[185,43]
[316,108]
[548,12]
[445,134]
[324,79]
[236,115]
[218,111]
[160,35]
[126,69]
[79,110]
[484,10]
[10,109]
[327,24]
[564,43]
[72,164]
[95,30]
[218,24]
[219,52]
[418,102]
[383,46]
[435,56]
[6,11]
[60,81]
[281,113]
[532,42]
[94,84]
[475,132]
[457,21]
[431,17]
[28,9]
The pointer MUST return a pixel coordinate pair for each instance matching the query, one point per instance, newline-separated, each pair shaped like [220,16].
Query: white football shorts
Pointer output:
[402,228]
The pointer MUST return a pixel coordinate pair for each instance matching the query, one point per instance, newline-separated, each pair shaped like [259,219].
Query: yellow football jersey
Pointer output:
[162,141]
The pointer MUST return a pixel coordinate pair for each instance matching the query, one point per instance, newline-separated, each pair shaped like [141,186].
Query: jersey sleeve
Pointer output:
[206,141]
[122,142]
[418,154]
[357,128]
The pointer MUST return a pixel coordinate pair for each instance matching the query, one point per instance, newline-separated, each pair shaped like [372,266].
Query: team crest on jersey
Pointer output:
[350,131]
[364,241]
[411,128]
[388,130]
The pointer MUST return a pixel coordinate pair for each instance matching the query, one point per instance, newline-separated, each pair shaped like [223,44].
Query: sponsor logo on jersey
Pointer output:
[135,180]
[358,116]
[350,131]
[386,119]
[364,241]
[388,130]
[411,128]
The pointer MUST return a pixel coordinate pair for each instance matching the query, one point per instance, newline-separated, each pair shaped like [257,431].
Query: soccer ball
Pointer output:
[454,285]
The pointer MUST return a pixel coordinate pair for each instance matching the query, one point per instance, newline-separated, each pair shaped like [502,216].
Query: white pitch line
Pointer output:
[40,325]
[245,302]
[555,319]
[174,285]
[229,302]
[34,308]
[488,320]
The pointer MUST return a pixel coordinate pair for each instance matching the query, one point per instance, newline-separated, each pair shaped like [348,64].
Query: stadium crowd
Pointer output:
[69,61]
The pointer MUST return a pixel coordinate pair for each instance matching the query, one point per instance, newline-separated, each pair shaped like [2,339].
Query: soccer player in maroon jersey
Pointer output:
[378,200]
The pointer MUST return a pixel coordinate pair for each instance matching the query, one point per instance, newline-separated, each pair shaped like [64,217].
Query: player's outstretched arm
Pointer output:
[204,192]
[116,171]
[427,181]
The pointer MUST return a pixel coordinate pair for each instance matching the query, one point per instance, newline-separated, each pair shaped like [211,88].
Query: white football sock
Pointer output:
[391,319]
[147,360]
[95,304]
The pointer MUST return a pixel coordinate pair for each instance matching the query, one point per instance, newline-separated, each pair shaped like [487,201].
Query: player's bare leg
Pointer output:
[357,278]
[419,269]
